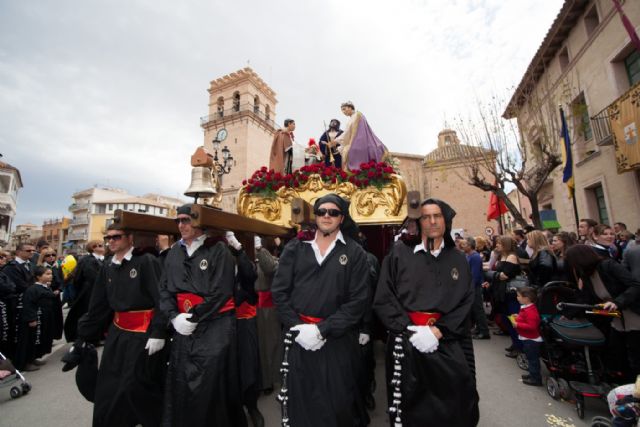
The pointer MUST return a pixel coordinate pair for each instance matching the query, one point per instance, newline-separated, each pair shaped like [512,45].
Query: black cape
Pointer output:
[437,388]
[85,276]
[203,386]
[323,384]
[130,382]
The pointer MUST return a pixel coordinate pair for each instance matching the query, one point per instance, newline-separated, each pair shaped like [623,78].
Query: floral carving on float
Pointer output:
[375,190]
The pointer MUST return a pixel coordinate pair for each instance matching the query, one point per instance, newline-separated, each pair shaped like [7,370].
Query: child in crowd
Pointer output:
[39,316]
[527,324]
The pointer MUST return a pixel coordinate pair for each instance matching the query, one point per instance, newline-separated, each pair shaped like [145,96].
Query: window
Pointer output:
[563,57]
[126,207]
[632,65]
[581,117]
[220,106]
[5,182]
[256,104]
[591,20]
[603,216]
[110,206]
[236,101]
[267,112]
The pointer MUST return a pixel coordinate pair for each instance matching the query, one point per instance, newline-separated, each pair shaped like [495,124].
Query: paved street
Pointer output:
[504,401]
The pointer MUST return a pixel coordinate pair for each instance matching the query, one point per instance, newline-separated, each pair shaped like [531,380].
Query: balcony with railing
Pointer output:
[4,236]
[79,207]
[77,236]
[602,128]
[80,220]
[237,112]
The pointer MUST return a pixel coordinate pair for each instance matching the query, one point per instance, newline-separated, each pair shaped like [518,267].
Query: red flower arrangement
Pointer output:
[267,182]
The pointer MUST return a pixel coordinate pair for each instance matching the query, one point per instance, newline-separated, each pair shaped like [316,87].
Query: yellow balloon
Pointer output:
[68,265]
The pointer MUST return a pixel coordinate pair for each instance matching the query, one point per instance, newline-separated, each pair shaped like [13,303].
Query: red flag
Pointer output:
[496,207]
[627,25]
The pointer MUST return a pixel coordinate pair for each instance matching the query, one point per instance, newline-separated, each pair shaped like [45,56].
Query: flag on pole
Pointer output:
[567,161]
[496,207]
[627,25]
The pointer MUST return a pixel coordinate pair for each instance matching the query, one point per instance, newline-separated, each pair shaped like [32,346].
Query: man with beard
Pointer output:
[328,146]
[281,157]
[129,385]
[424,298]
[321,290]
[197,296]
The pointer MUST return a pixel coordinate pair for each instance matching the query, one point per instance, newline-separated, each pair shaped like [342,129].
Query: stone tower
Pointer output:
[244,105]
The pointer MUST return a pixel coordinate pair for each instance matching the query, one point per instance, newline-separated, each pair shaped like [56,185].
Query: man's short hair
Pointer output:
[471,242]
[287,122]
[116,226]
[41,244]
[528,292]
[621,225]
[519,232]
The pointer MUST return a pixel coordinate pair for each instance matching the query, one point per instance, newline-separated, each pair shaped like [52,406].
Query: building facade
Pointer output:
[56,232]
[584,64]
[10,185]
[25,233]
[244,105]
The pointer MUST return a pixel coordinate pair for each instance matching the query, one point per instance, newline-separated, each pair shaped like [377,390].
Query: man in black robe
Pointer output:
[329,147]
[321,290]
[130,378]
[424,297]
[197,296]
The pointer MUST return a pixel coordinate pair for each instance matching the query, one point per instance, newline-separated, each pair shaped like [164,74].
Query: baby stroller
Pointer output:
[572,348]
[13,379]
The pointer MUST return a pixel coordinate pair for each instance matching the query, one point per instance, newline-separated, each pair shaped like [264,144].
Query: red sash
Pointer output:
[133,321]
[186,301]
[246,311]
[310,319]
[265,299]
[422,318]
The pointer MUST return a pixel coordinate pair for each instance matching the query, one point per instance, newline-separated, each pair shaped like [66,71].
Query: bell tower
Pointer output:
[244,105]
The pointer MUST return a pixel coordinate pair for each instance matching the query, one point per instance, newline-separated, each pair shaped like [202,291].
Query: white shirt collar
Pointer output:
[20,260]
[98,257]
[195,244]
[434,252]
[316,250]
[525,306]
[126,256]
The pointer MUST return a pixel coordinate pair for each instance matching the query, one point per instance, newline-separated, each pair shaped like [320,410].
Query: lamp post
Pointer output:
[220,169]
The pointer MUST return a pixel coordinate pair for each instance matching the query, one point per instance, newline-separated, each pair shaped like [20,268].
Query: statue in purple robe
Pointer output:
[359,143]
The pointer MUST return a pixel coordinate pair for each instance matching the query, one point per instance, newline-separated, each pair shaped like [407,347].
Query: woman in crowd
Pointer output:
[542,264]
[560,243]
[505,303]
[482,247]
[5,257]
[603,237]
[604,281]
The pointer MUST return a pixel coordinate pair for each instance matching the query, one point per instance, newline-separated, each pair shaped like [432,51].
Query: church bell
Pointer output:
[201,183]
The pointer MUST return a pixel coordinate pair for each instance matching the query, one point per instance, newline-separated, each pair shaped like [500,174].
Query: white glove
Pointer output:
[232,241]
[154,345]
[363,339]
[423,339]
[309,336]
[257,242]
[182,325]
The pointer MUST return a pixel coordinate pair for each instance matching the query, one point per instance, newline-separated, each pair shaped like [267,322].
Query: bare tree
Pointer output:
[524,155]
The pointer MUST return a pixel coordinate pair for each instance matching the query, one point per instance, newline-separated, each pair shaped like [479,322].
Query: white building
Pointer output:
[10,184]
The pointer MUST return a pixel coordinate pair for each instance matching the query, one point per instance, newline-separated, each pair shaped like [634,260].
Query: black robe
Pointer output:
[248,354]
[337,157]
[437,388]
[130,382]
[21,278]
[323,385]
[57,284]
[203,386]
[85,276]
[7,304]
[40,304]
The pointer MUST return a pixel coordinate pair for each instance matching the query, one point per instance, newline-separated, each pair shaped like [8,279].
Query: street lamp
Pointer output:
[220,169]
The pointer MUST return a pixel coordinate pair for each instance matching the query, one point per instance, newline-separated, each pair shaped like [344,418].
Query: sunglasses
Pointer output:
[114,237]
[332,212]
[183,220]
[49,255]
[3,256]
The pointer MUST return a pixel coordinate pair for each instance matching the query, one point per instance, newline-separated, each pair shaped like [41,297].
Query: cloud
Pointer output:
[96,92]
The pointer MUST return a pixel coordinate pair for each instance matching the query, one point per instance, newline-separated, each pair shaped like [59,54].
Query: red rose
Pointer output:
[264,169]
[244,182]
[365,182]
[371,174]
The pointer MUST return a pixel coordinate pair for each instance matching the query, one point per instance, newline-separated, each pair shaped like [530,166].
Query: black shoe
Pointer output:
[526,377]
[256,417]
[481,336]
[510,348]
[500,333]
[530,381]
[512,354]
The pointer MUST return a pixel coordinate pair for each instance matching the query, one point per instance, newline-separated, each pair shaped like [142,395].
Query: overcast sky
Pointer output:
[110,92]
